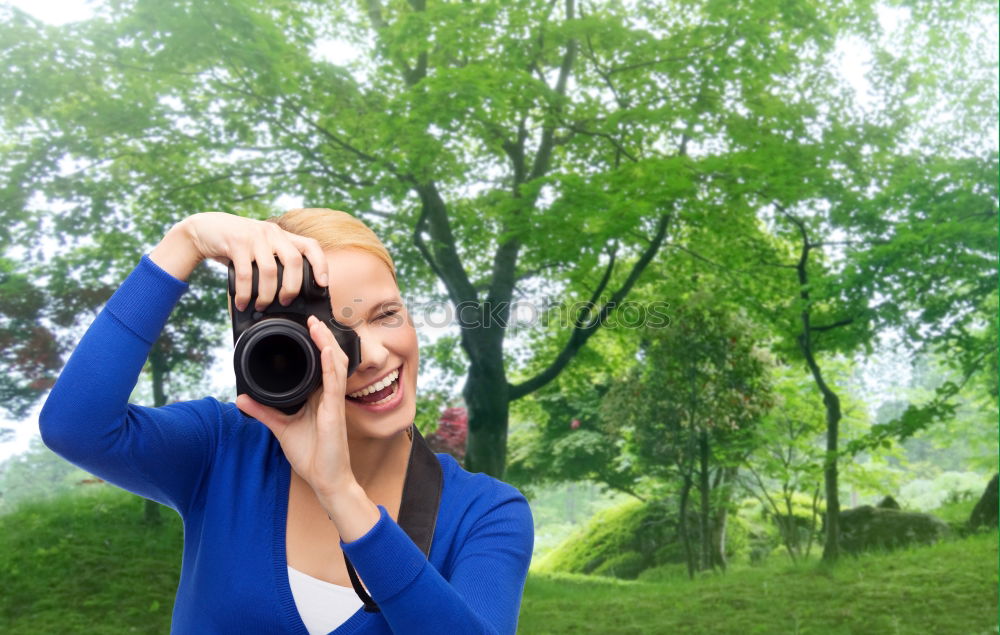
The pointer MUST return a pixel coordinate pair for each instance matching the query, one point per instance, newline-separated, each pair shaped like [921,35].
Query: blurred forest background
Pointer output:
[728,273]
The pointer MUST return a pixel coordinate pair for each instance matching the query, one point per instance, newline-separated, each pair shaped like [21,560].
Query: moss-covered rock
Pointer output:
[888,502]
[866,527]
[632,527]
[984,514]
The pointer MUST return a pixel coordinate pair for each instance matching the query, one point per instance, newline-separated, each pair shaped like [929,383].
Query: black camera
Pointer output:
[276,361]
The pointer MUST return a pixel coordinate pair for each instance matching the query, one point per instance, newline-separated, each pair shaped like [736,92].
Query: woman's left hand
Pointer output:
[314,439]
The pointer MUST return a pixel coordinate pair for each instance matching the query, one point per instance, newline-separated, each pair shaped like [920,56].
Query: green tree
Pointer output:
[787,464]
[891,226]
[490,142]
[688,408]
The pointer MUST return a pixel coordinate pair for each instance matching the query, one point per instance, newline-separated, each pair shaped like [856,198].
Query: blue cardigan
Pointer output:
[227,477]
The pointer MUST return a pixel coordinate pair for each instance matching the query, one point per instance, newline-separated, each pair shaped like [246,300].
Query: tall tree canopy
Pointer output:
[494,145]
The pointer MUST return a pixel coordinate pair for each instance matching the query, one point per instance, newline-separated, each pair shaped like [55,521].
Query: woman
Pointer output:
[272,503]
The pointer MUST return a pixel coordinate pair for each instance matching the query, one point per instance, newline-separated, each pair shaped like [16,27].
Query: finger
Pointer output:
[320,333]
[291,279]
[324,337]
[267,281]
[334,373]
[244,276]
[314,253]
[273,419]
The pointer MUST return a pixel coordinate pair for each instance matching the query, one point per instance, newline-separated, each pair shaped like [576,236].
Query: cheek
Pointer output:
[410,345]
[409,348]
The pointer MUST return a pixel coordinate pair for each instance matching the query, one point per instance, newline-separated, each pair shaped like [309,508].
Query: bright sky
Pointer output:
[55,11]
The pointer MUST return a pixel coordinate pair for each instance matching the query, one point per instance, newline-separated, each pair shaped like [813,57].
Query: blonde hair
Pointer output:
[334,229]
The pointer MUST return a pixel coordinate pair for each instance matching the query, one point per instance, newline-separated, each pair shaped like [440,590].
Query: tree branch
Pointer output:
[410,75]
[418,239]
[604,135]
[447,261]
[581,333]
[827,327]
[596,295]
[544,153]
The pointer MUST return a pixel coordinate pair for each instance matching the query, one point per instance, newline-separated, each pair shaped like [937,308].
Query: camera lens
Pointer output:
[277,363]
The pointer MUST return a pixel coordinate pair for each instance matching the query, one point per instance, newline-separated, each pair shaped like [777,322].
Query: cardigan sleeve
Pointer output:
[483,594]
[158,453]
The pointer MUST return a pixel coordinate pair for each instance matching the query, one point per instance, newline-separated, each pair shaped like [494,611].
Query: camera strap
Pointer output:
[418,509]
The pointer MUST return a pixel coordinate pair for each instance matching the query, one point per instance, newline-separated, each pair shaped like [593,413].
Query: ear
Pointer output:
[274,419]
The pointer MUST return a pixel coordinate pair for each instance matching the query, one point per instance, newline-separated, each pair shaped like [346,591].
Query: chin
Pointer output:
[382,427]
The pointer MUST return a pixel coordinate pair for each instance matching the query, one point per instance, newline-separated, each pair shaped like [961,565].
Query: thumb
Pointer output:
[274,419]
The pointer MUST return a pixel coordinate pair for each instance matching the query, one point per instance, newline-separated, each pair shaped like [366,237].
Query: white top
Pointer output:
[323,606]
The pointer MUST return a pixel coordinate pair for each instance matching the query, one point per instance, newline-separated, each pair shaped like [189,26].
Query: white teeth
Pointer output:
[379,385]
[385,399]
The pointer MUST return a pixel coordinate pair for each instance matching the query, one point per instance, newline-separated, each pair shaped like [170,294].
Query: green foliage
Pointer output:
[965,440]
[664,573]
[545,447]
[703,373]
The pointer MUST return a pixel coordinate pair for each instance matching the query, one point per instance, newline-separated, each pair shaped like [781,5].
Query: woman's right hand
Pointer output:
[227,237]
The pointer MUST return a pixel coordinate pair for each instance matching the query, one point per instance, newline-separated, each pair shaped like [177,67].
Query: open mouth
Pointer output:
[380,392]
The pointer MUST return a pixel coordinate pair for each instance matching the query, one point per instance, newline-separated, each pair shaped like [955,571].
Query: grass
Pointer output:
[946,588]
[87,564]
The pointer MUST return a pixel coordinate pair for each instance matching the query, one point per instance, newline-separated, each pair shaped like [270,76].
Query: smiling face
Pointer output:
[382,391]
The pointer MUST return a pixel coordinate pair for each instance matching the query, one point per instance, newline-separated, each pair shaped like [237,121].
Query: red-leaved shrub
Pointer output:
[451,433]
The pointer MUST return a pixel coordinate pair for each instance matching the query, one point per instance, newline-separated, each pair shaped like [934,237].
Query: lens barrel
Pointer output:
[277,363]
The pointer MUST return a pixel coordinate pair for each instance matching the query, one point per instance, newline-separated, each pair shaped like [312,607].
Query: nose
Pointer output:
[374,354]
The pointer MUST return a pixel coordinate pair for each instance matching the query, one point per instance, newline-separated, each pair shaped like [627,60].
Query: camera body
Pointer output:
[275,359]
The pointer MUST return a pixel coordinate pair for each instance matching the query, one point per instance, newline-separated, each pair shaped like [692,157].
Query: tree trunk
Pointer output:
[704,525]
[683,525]
[487,401]
[571,503]
[724,490]
[157,366]
[789,527]
[812,521]
[719,538]
[831,548]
